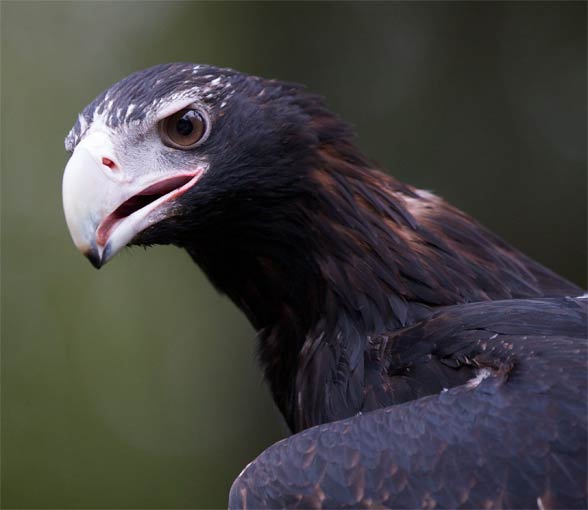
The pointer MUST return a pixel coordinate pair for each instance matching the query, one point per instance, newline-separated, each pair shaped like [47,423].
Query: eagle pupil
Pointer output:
[184,126]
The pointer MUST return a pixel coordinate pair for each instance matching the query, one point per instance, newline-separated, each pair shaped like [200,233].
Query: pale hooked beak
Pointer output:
[105,208]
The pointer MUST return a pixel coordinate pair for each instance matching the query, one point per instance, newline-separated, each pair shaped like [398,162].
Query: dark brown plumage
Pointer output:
[512,438]
[368,295]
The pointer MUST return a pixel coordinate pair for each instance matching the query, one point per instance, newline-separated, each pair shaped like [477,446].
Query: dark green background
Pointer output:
[136,386]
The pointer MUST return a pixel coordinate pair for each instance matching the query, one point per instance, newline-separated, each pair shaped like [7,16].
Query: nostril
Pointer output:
[109,163]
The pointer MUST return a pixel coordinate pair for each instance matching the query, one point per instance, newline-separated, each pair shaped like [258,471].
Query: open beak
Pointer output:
[105,208]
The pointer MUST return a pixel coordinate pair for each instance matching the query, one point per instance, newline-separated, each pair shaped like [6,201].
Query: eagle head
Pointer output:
[178,147]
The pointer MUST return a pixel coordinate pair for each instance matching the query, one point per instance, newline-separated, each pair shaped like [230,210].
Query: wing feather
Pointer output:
[514,439]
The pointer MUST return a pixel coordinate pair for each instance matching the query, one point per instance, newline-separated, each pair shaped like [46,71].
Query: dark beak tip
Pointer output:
[94,258]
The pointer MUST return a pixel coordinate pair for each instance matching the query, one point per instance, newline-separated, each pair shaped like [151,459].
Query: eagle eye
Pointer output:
[183,130]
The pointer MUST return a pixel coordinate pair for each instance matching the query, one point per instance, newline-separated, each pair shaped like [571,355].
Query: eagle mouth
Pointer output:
[145,201]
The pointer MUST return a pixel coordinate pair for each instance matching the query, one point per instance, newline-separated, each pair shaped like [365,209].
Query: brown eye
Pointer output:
[183,130]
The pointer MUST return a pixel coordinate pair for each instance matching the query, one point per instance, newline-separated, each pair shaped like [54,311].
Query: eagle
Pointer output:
[418,359]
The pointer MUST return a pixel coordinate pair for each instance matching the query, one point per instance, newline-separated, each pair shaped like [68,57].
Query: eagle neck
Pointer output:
[349,253]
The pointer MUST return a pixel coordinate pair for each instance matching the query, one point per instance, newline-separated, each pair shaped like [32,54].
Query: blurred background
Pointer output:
[137,386]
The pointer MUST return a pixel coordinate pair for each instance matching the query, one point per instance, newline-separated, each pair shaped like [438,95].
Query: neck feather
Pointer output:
[352,253]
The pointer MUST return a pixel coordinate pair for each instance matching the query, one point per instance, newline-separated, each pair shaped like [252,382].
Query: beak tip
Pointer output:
[98,256]
[94,258]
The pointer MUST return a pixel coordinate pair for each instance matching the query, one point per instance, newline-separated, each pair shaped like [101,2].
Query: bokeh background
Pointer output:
[137,386]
